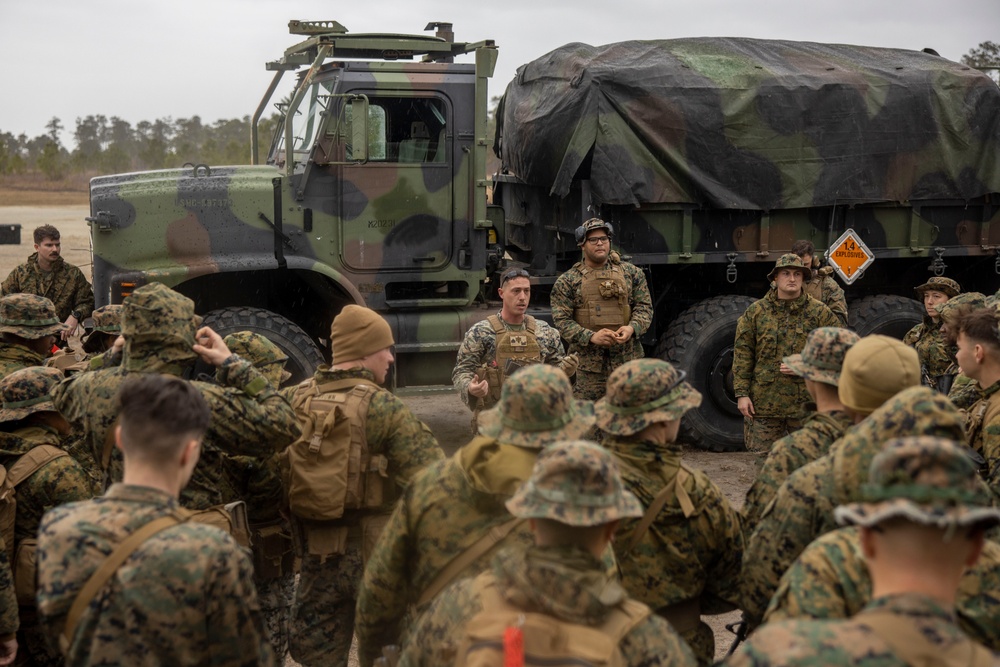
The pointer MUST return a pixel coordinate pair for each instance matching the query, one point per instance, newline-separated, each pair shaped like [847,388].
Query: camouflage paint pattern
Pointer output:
[29,316]
[561,582]
[936,355]
[825,289]
[64,285]
[185,595]
[830,580]
[803,508]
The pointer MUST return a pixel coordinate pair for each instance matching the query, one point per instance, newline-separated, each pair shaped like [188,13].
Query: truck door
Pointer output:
[396,206]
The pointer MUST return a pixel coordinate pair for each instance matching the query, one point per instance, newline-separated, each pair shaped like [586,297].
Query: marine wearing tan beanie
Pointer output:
[357,332]
[875,369]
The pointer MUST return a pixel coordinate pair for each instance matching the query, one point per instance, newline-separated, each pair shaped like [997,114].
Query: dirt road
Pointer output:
[447,417]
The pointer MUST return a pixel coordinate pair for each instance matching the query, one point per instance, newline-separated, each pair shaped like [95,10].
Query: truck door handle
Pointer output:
[418,260]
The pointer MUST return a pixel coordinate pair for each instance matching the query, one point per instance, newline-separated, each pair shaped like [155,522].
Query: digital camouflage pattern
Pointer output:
[825,289]
[811,442]
[563,582]
[822,357]
[9,618]
[830,580]
[983,429]
[596,363]
[936,355]
[479,347]
[14,357]
[804,506]
[941,284]
[65,286]
[643,392]
[262,353]
[29,316]
[323,614]
[107,322]
[855,642]
[185,596]
[248,416]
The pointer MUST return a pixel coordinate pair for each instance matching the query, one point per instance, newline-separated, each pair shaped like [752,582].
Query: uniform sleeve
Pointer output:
[82,299]
[654,642]
[395,431]
[551,344]
[439,630]
[641,301]
[9,621]
[744,354]
[991,452]
[562,301]
[727,543]
[471,355]
[827,318]
[12,283]
[913,335]
[833,297]
[772,475]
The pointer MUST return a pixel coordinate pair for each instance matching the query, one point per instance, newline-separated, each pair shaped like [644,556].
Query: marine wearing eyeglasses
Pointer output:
[505,341]
[600,306]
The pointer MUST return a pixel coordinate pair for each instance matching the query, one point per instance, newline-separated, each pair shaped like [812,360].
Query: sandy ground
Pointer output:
[447,417]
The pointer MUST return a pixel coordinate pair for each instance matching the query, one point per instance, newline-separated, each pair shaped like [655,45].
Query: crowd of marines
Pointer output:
[152,515]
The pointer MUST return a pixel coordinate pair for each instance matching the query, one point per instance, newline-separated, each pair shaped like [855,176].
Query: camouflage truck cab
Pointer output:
[374,193]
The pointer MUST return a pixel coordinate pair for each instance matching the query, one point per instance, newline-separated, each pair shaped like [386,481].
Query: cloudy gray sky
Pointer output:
[141,59]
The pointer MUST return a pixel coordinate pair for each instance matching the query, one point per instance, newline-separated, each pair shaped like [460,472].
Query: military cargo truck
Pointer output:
[710,156]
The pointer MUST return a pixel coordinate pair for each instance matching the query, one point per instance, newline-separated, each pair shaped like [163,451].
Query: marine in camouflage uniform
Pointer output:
[47,274]
[829,580]
[803,508]
[603,328]
[323,614]
[921,516]
[822,286]
[29,327]
[159,325]
[683,557]
[774,327]
[107,326]
[937,355]
[574,484]
[453,504]
[978,343]
[819,364]
[184,596]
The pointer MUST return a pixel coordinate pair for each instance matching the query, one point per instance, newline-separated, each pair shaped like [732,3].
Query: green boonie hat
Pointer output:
[968,300]
[262,353]
[823,354]
[643,392]
[107,321]
[875,369]
[28,391]
[576,483]
[924,479]
[940,284]
[790,261]
[29,316]
[537,408]
[157,309]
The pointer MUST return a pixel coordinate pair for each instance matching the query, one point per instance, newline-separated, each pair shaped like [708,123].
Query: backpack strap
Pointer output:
[30,462]
[913,648]
[674,489]
[106,570]
[463,560]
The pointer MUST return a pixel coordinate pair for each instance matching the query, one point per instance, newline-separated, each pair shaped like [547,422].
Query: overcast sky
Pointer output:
[143,59]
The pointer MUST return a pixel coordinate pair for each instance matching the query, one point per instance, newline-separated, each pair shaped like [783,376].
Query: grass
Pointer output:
[36,190]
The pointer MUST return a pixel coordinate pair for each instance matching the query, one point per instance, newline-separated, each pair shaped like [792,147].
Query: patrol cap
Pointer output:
[875,369]
[643,392]
[823,355]
[29,316]
[537,408]
[262,353]
[939,284]
[790,261]
[591,225]
[357,332]
[28,391]
[576,483]
[107,321]
[924,479]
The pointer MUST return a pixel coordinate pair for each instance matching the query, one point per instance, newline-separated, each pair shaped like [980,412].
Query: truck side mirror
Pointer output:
[359,129]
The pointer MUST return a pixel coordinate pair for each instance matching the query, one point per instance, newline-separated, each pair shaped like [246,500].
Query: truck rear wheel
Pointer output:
[885,314]
[700,342]
[303,354]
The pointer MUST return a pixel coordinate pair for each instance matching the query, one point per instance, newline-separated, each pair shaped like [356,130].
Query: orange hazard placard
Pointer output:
[849,256]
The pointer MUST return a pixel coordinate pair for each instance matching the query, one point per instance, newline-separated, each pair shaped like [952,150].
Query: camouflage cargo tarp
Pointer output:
[752,124]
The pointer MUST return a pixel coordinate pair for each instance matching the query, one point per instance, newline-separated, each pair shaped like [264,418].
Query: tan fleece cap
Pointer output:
[357,332]
[875,369]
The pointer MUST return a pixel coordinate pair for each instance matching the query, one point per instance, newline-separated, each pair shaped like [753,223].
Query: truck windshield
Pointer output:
[306,121]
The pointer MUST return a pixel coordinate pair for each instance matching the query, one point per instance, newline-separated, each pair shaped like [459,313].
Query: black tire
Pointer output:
[700,342]
[303,354]
[885,314]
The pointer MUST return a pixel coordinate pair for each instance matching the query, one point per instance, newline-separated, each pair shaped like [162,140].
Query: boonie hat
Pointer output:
[823,355]
[643,392]
[29,316]
[107,321]
[926,480]
[157,309]
[875,369]
[940,284]
[537,408]
[576,483]
[28,391]
[966,300]
[790,261]
[266,357]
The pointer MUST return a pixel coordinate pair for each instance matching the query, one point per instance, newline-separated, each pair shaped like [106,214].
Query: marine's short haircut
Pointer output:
[45,232]
[979,325]
[158,414]
[803,247]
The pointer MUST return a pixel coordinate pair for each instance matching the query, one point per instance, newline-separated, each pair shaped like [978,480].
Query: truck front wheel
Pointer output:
[700,342]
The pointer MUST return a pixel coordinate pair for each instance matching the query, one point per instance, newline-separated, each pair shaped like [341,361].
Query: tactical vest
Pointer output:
[514,349]
[605,294]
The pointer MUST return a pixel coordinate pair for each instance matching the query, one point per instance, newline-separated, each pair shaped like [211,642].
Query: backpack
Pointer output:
[329,468]
[500,628]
